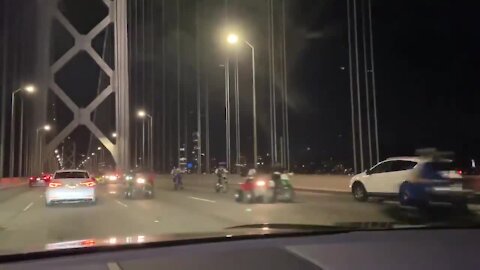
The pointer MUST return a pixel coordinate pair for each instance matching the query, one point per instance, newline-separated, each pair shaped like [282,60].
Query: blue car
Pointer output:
[435,182]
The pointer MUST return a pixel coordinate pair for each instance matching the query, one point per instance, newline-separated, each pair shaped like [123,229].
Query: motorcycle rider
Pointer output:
[221,174]
[177,176]
[252,172]
[277,180]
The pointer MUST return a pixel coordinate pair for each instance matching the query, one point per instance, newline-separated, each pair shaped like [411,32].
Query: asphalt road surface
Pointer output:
[25,221]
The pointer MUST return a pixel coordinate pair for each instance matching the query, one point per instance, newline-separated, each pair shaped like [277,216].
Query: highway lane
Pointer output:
[25,221]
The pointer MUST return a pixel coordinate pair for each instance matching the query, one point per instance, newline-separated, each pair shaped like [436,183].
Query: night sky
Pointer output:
[427,64]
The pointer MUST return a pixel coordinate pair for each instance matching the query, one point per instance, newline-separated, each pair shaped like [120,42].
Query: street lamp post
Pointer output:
[29,89]
[39,143]
[143,114]
[233,39]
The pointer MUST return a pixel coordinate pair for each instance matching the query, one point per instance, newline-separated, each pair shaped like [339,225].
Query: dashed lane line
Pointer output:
[201,199]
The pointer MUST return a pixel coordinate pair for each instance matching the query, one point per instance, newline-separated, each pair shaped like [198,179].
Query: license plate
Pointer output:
[70,186]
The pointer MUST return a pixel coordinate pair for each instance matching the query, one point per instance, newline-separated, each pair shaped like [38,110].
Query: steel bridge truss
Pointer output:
[118,85]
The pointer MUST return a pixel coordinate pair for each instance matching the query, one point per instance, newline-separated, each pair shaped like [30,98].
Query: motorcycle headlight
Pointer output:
[140,181]
[260,183]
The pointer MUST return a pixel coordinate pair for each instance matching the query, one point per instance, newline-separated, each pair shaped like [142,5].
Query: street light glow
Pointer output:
[47,127]
[114,134]
[99,148]
[93,154]
[56,151]
[141,113]
[29,88]
[232,38]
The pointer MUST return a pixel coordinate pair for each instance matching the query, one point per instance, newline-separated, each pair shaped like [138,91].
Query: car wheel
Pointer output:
[359,192]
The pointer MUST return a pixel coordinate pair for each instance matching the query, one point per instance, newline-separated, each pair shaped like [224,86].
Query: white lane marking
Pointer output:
[121,203]
[28,206]
[248,209]
[391,202]
[156,221]
[203,200]
[113,266]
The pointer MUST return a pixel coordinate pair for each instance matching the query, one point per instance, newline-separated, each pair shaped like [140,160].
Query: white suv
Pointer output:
[385,178]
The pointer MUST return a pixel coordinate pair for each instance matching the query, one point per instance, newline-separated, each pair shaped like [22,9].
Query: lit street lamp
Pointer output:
[233,39]
[143,114]
[38,142]
[114,135]
[29,89]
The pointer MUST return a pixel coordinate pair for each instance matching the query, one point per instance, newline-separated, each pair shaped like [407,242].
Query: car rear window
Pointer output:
[63,175]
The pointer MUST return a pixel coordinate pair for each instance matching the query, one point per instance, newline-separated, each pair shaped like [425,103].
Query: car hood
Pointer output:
[249,231]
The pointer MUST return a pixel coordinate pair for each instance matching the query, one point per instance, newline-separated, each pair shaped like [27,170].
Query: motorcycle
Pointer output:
[222,184]
[265,190]
[138,184]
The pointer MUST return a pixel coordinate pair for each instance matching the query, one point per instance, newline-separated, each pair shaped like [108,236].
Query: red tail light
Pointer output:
[89,183]
[32,178]
[88,243]
[54,184]
[460,172]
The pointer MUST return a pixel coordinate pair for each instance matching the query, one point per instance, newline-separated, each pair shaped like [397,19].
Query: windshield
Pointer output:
[64,175]
[196,116]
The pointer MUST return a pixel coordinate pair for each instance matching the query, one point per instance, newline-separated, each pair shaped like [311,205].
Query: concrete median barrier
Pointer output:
[6,183]
[311,183]
[11,187]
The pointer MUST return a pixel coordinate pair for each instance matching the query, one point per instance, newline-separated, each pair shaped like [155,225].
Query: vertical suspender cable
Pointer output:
[199,107]
[164,95]
[152,85]
[178,79]
[367,85]
[362,165]
[274,85]
[285,87]
[3,90]
[374,92]
[352,100]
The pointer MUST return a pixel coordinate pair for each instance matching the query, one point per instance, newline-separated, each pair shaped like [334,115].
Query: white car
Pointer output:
[385,178]
[70,186]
